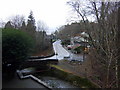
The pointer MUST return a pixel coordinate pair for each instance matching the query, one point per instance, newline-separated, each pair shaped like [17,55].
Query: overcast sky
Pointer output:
[53,12]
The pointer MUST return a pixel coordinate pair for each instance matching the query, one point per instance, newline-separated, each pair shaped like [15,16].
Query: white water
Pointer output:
[56,83]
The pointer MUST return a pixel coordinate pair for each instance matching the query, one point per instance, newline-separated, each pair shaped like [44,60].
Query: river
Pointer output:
[53,82]
[56,83]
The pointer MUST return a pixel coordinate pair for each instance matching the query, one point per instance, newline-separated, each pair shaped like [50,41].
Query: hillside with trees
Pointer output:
[103,35]
[38,33]
[20,40]
[91,42]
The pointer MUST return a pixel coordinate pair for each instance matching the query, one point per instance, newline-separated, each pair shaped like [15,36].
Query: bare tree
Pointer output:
[103,39]
[41,36]
[17,21]
[42,26]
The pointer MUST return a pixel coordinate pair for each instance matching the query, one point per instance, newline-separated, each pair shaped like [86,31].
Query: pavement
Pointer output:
[62,52]
[16,82]
[77,57]
[59,50]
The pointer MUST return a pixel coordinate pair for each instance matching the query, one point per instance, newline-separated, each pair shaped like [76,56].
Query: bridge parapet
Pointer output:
[43,64]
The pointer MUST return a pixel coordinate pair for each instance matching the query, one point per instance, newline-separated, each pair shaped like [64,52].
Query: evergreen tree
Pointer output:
[31,22]
[31,28]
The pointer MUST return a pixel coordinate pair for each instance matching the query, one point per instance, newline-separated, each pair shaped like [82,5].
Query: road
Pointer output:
[75,56]
[59,50]
[61,53]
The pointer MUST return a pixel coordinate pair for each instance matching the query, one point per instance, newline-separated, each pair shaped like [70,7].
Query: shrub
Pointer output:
[79,49]
[65,42]
[16,47]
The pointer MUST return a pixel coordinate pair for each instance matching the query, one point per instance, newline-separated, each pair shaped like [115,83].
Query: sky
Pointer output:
[53,12]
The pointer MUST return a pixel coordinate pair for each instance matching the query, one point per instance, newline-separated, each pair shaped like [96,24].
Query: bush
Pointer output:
[16,47]
[79,49]
[65,42]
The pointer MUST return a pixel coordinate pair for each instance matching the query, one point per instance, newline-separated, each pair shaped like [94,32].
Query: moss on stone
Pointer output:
[73,79]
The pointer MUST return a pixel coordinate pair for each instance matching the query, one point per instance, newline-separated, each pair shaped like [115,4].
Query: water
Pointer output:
[51,81]
[56,83]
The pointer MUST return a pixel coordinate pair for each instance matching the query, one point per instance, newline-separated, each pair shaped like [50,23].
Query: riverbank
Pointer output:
[75,80]
[82,69]
[72,78]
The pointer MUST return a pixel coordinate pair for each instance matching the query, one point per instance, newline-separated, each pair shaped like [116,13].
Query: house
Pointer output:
[80,39]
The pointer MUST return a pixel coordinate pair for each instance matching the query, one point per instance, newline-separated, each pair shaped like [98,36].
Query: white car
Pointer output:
[69,47]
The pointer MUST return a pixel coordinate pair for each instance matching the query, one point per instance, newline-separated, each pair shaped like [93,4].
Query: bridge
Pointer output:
[44,61]
[41,64]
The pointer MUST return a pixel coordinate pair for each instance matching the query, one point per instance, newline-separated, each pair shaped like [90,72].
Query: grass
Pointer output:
[70,77]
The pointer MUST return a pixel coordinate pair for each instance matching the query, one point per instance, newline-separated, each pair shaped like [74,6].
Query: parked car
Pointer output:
[69,47]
